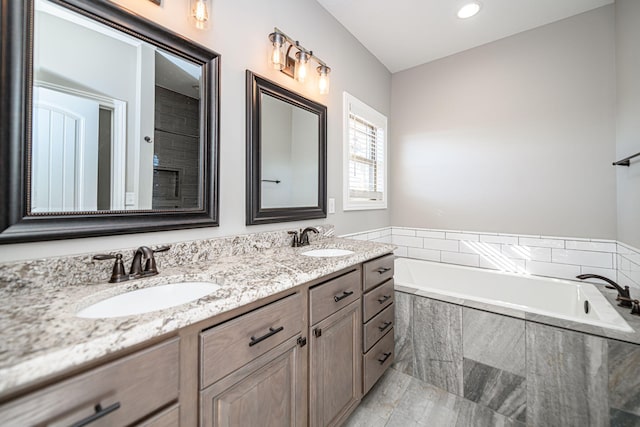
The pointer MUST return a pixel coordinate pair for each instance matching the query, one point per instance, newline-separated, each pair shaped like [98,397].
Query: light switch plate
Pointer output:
[332,206]
[130,199]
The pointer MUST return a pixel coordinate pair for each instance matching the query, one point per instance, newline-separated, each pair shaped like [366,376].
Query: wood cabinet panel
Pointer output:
[377,299]
[133,387]
[377,360]
[377,327]
[335,366]
[329,297]
[377,271]
[270,391]
[231,345]
[167,418]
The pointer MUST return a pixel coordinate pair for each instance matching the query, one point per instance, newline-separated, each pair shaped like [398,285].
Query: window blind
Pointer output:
[366,160]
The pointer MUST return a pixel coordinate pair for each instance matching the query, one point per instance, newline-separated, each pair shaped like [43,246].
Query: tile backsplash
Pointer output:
[561,257]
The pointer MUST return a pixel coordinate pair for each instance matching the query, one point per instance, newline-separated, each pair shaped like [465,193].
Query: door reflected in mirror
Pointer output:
[116,120]
[289,157]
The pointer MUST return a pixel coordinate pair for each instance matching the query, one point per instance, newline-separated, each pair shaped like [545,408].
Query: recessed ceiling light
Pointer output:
[469,10]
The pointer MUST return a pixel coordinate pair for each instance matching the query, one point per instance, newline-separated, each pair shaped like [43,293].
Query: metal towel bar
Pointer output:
[626,161]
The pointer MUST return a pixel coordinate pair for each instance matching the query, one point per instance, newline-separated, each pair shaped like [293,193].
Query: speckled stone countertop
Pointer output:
[41,335]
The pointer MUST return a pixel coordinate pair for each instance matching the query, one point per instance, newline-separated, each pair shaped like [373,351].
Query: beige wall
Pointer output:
[514,136]
[239,31]
[628,115]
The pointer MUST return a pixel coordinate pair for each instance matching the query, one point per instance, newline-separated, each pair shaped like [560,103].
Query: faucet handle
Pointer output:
[296,240]
[150,267]
[118,274]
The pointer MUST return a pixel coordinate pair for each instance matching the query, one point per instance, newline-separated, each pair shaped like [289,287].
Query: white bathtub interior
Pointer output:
[558,298]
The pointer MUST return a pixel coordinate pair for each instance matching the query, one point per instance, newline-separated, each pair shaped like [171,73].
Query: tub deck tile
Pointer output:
[496,389]
[624,376]
[403,329]
[494,340]
[566,378]
[437,337]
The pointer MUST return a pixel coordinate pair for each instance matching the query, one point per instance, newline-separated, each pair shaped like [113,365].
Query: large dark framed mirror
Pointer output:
[109,123]
[286,154]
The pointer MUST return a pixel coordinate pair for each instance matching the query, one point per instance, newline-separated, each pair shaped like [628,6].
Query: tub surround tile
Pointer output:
[591,259]
[472,237]
[409,241]
[424,254]
[624,376]
[495,309]
[403,330]
[470,260]
[437,335]
[500,239]
[599,246]
[42,336]
[441,245]
[618,418]
[541,242]
[496,389]
[431,234]
[504,350]
[566,378]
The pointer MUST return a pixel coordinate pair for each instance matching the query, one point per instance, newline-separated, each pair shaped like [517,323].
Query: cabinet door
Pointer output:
[269,391]
[335,357]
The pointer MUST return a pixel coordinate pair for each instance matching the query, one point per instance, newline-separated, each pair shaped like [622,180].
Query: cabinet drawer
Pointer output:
[167,418]
[329,297]
[377,299]
[377,360]
[375,328]
[230,345]
[378,271]
[126,390]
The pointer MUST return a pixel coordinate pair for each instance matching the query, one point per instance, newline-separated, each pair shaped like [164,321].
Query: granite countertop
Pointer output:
[41,335]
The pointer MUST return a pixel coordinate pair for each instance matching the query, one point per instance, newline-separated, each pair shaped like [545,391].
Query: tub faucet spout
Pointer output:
[623,294]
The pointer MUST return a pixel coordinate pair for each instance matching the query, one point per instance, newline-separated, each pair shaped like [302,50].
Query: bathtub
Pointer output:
[558,298]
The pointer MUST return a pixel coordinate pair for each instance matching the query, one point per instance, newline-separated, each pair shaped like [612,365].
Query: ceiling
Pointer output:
[406,33]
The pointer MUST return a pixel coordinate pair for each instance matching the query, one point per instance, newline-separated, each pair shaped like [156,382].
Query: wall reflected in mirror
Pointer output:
[289,157]
[116,120]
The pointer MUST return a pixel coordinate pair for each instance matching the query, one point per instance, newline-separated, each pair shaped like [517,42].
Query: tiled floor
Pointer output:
[401,400]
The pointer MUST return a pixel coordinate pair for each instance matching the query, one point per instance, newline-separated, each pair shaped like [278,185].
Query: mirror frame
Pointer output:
[255,214]
[16,85]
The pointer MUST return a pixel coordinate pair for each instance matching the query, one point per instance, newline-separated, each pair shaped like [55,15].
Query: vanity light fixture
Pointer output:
[199,13]
[469,9]
[297,66]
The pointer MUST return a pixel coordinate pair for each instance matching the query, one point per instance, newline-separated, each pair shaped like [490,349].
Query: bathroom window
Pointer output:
[365,152]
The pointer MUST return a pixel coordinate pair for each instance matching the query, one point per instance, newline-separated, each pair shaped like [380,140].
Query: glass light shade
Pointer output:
[469,10]
[302,66]
[199,12]
[277,56]
[323,80]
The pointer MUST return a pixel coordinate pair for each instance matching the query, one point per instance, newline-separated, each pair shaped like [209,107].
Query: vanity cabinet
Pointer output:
[122,392]
[335,350]
[253,368]
[377,319]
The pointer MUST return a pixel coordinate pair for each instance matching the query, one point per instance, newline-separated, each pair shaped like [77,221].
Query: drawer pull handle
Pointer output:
[100,412]
[384,358]
[272,331]
[343,296]
[384,326]
[384,299]
[383,270]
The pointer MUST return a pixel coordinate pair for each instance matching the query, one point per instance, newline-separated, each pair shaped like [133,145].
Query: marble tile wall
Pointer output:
[559,257]
[531,373]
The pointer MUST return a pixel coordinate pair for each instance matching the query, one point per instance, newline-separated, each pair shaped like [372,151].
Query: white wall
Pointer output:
[628,119]
[516,136]
[239,31]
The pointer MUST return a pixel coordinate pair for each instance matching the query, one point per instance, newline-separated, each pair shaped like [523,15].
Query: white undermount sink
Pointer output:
[330,252]
[148,299]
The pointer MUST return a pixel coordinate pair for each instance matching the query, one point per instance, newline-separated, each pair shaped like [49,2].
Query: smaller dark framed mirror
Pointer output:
[286,154]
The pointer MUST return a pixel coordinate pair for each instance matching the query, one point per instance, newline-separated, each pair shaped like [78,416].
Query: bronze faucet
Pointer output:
[143,254]
[623,294]
[304,235]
